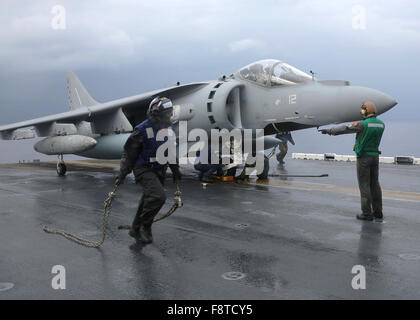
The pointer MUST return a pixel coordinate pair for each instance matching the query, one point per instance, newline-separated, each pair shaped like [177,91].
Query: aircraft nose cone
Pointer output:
[383,102]
[351,99]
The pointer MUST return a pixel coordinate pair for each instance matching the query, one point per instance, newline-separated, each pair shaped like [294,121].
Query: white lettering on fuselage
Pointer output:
[292,99]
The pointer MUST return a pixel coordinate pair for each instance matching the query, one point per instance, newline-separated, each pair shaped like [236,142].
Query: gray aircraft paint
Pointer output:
[107,147]
[232,102]
[71,144]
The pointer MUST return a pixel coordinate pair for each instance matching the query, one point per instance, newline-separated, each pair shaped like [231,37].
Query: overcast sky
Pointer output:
[124,47]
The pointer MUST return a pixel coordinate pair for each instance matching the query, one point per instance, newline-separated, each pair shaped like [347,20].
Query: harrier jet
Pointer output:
[268,94]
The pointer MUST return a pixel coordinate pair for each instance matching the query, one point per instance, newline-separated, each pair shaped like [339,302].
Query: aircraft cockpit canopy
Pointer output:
[273,73]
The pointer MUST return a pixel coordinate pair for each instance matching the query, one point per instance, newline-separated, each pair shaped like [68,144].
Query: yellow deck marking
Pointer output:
[308,186]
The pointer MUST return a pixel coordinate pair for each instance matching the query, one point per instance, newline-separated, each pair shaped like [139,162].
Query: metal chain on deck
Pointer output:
[85,242]
[178,204]
[105,218]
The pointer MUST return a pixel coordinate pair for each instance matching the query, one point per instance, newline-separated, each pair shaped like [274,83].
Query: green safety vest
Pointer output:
[368,144]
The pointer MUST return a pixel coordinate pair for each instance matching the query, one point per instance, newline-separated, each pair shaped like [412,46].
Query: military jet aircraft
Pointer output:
[268,94]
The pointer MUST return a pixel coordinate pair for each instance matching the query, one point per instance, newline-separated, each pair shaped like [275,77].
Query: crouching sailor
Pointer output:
[139,156]
[206,168]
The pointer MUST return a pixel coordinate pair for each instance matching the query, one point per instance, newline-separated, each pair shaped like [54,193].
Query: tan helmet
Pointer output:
[370,108]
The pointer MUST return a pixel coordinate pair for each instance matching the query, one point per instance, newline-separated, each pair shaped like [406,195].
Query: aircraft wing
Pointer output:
[116,116]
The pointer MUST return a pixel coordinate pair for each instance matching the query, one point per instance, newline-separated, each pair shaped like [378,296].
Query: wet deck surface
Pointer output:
[290,239]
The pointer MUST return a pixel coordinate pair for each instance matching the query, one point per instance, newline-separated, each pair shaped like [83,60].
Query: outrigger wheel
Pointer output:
[61,166]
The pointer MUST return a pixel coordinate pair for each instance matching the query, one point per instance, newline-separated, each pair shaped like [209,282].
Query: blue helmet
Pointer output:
[159,105]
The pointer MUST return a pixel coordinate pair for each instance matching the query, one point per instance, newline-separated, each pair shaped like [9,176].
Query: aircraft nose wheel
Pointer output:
[61,167]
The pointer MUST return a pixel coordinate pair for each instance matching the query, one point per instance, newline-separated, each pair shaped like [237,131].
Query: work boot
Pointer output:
[146,234]
[134,233]
[280,161]
[378,217]
[366,217]
[242,176]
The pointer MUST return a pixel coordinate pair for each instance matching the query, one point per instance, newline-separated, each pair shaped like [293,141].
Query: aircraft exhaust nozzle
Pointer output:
[70,144]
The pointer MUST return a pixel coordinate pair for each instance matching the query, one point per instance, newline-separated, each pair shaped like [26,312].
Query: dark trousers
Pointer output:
[283,151]
[153,198]
[370,190]
[206,170]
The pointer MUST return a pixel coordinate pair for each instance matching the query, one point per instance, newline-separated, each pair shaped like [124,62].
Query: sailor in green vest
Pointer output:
[368,137]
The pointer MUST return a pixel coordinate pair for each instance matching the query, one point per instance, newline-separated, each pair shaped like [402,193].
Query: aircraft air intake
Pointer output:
[215,106]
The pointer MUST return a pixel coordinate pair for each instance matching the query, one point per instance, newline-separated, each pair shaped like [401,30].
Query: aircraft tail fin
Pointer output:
[77,94]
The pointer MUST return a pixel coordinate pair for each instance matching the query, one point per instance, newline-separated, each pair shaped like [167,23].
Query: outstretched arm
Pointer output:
[356,127]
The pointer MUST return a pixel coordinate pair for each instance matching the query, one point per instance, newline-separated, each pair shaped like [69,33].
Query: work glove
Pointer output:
[176,174]
[325,131]
[119,180]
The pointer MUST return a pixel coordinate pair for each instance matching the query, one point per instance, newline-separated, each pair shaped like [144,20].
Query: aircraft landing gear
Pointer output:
[262,176]
[61,166]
